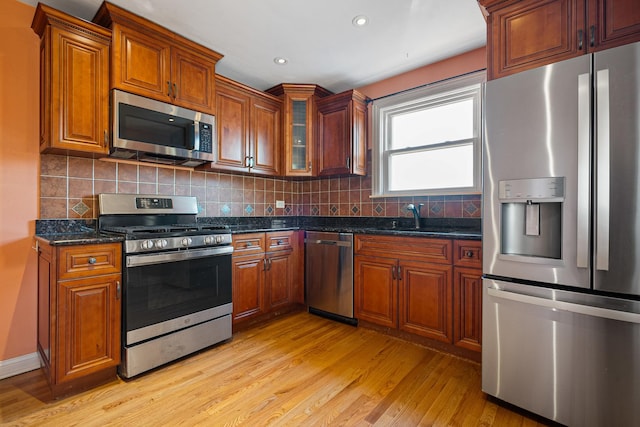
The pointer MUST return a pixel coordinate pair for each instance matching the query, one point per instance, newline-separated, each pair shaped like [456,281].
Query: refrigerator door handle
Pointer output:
[603,176]
[584,126]
[588,310]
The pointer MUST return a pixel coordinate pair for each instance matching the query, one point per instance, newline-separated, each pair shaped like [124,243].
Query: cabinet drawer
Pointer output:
[279,241]
[409,248]
[89,260]
[250,243]
[467,253]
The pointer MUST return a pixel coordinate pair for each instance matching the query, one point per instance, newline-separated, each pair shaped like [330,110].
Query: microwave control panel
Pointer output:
[206,138]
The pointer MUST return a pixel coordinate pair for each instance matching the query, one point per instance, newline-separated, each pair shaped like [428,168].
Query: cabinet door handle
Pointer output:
[580,37]
[264,264]
[309,166]
[399,273]
[349,163]
[592,36]
[118,290]
[393,272]
[92,260]
[106,137]
[270,264]
[175,91]
[168,88]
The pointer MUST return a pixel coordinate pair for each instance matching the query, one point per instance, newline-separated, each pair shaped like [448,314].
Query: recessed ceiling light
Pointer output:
[279,60]
[360,21]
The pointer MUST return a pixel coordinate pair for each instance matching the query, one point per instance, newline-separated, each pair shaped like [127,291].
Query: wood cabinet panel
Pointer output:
[426,300]
[529,33]
[141,64]
[266,136]
[248,287]
[193,80]
[342,134]
[89,324]
[74,84]
[396,287]
[375,290]
[78,315]
[467,253]
[249,130]
[279,278]
[298,126]
[266,275]
[89,260]
[467,290]
[149,60]
[616,22]
[232,108]
[409,248]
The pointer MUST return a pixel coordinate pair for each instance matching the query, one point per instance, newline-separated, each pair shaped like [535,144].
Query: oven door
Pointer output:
[168,291]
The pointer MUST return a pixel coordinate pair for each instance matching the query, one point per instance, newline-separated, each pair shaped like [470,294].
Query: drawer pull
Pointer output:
[280,242]
[468,254]
[92,260]
[248,245]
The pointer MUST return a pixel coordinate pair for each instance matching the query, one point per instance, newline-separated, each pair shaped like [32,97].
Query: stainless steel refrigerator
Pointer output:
[561,239]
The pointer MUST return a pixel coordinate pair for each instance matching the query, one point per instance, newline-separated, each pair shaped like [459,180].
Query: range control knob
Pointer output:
[219,239]
[146,244]
[209,240]
[186,241]
[161,243]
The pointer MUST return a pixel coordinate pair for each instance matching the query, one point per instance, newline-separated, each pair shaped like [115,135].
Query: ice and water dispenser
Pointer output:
[531,212]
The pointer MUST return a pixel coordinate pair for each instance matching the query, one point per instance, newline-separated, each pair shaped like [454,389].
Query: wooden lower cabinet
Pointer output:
[79,309]
[413,285]
[265,274]
[467,308]
[425,300]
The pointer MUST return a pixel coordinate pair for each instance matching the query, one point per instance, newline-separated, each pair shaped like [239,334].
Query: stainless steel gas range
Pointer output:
[176,278]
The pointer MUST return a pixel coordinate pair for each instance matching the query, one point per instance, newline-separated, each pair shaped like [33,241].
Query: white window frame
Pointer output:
[469,86]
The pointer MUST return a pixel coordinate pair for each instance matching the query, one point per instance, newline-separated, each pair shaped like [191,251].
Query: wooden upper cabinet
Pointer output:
[298,124]
[529,33]
[74,84]
[615,22]
[249,129]
[342,145]
[151,61]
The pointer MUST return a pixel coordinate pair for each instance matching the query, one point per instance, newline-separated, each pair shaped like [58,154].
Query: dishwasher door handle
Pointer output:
[588,310]
[330,242]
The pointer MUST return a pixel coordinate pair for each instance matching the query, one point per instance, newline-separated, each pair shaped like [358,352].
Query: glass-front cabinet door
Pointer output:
[299,117]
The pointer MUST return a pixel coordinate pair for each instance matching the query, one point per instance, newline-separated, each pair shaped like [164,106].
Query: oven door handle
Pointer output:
[164,257]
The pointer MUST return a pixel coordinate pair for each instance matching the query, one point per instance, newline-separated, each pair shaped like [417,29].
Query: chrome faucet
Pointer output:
[416,212]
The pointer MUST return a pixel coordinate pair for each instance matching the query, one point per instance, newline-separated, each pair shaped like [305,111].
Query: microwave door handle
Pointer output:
[603,177]
[192,134]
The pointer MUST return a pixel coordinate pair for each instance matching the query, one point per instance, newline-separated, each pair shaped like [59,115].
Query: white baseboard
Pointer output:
[19,365]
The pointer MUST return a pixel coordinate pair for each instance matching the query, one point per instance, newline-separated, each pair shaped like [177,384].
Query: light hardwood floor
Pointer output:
[299,370]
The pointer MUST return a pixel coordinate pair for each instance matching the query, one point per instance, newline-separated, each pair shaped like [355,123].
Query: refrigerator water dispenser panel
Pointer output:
[531,218]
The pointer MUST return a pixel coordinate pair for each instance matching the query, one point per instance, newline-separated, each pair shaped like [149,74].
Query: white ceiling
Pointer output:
[315,36]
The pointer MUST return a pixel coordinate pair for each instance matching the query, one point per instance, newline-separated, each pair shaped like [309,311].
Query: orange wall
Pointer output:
[19,164]
[455,66]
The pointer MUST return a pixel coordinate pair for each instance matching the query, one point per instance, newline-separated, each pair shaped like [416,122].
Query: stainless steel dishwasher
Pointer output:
[329,275]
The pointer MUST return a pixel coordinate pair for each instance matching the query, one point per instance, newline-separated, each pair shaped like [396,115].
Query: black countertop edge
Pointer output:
[85,238]
[435,234]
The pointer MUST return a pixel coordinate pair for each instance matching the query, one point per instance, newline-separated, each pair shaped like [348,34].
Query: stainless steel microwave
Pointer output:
[148,130]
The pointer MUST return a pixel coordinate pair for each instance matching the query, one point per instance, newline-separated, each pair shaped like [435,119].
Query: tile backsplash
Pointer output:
[69,187]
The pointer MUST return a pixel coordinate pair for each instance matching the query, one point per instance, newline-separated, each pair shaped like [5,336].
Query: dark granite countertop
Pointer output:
[87,238]
[79,232]
[72,232]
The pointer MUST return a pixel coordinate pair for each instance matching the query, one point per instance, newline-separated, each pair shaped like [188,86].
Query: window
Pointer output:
[426,141]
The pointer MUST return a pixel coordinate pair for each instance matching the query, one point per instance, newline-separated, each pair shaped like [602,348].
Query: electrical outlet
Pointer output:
[279,204]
